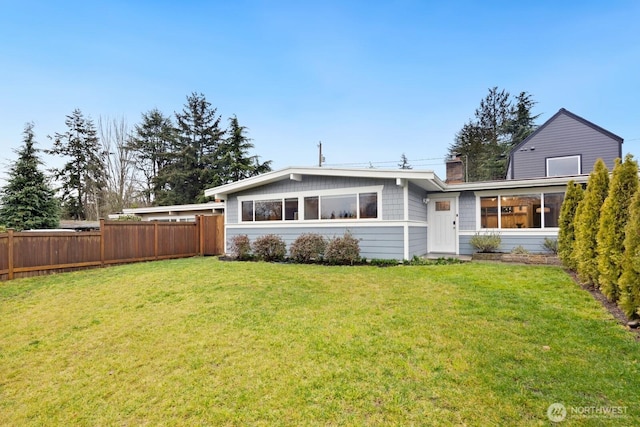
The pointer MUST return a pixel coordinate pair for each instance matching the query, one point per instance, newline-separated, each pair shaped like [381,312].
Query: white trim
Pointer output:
[176,208]
[327,192]
[577,156]
[405,199]
[325,224]
[425,179]
[300,195]
[520,192]
[513,231]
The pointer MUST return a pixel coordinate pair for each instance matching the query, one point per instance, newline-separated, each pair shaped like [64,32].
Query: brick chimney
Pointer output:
[455,170]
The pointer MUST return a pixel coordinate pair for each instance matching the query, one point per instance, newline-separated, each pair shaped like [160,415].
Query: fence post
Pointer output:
[102,242]
[200,223]
[10,252]
[155,239]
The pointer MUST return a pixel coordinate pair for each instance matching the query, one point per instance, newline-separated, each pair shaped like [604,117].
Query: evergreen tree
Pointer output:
[499,125]
[404,162]
[629,282]
[193,164]
[566,234]
[522,123]
[588,221]
[234,162]
[83,177]
[27,200]
[152,141]
[613,218]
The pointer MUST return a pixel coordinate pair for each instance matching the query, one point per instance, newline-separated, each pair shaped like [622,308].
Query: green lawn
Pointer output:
[203,342]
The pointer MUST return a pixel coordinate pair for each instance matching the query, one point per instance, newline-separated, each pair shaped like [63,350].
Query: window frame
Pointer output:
[300,197]
[578,157]
[499,194]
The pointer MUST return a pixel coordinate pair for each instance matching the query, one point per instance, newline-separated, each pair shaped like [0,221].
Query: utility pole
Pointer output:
[320,156]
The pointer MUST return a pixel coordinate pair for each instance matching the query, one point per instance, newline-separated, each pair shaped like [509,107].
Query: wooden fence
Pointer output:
[29,253]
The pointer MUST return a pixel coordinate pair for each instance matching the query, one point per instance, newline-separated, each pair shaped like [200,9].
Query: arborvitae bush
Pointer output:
[629,282]
[343,250]
[241,247]
[587,222]
[566,234]
[269,248]
[308,247]
[613,218]
[486,242]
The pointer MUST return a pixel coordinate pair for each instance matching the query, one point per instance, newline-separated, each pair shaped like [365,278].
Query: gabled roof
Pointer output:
[423,179]
[567,113]
[560,112]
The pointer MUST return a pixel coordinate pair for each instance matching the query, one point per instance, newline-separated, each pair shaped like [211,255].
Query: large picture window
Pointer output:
[563,166]
[316,207]
[540,210]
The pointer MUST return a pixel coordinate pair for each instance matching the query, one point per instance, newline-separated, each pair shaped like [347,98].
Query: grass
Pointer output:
[204,342]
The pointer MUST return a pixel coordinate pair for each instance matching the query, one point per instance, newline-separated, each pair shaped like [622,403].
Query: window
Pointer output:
[316,207]
[368,205]
[311,207]
[338,207]
[562,166]
[521,210]
[268,210]
[443,205]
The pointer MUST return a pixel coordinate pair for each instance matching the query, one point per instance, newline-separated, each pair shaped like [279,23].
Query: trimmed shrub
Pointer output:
[487,242]
[383,262]
[343,250]
[567,233]
[519,250]
[241,247]
[308,247]
[630,280]
[613,218]
[269,247]
[550,245]
[587,222]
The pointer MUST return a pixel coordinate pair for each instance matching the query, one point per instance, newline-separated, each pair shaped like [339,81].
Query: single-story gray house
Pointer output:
[398,213]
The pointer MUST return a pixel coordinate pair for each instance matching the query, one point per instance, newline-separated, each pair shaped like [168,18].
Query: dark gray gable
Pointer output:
[619,140]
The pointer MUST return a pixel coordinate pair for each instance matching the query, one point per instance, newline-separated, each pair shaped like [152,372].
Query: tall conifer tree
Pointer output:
[27,200]
[613,218]
[587,223]
[83,177]
[566,234]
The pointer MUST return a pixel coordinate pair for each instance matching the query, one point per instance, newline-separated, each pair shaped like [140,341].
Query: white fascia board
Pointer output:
[521,183]
[175,208]
[295,172]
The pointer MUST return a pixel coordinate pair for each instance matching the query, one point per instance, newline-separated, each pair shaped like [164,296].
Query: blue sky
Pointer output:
[370,79]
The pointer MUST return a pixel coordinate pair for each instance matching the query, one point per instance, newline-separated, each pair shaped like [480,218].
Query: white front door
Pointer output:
[443,225]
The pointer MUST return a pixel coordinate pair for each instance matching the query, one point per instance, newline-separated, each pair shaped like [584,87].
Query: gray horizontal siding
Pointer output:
[375,242]
[417,241]
[417,209]
[467,211]
[564,136]
[532,244]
